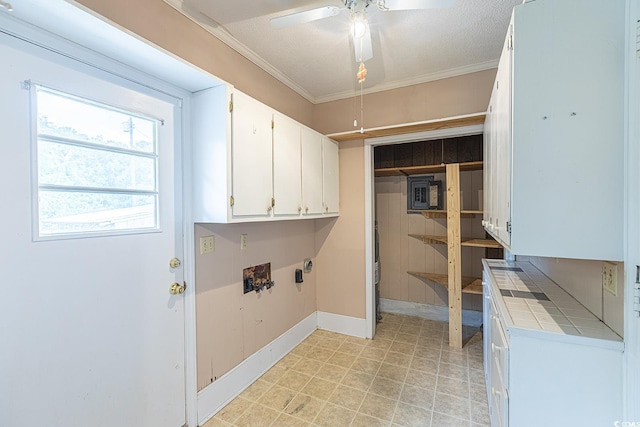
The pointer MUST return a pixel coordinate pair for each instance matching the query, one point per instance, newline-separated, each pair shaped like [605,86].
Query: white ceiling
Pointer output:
[317,59]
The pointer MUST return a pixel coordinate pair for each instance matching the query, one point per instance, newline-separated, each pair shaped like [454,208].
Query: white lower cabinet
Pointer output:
[252,163]
[499,371]
[541,374]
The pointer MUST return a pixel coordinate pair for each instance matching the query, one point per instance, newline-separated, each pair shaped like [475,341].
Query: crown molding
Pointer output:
[225,37]
[425,78]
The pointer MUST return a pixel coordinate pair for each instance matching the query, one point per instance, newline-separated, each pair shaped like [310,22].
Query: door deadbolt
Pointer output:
[175,263]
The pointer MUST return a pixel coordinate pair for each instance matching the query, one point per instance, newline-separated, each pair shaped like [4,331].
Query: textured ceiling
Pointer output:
[317,59]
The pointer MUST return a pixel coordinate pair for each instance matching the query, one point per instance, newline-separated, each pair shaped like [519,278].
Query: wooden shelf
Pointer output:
[432,213]
[427,125]
[429,239]
[422,170]
[481,243]
[464,241]
[470,285]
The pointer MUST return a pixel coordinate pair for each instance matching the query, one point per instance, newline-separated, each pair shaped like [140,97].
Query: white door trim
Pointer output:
[369,200]
[631,372]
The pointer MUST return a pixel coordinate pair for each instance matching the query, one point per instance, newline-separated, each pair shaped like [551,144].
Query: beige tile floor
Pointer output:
[407,376]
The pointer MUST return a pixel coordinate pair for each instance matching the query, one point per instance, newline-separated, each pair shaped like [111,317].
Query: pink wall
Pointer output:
[433,100]
[341,275]
[340,242]
[231,325]
[167,28]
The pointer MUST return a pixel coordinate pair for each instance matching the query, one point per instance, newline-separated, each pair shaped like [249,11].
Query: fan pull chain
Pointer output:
[361,75]
[361,109]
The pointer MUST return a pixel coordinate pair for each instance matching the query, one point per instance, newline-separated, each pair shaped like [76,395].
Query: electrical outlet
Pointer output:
[243,242]
[207,245]
[610,277]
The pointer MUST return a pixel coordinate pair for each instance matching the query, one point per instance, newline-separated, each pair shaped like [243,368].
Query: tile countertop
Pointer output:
[532,303]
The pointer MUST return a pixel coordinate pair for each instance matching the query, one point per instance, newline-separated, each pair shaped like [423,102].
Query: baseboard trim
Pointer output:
[347,325]
[215,396]
[427,311]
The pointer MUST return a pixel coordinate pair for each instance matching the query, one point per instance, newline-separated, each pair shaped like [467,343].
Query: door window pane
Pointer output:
[96,167]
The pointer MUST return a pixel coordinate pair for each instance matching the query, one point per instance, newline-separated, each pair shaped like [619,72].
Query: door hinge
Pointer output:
[231,201]
[509,227]
[272,124]
[273,202]
[510,45]
[26,85]
[230,106]
[638,39]
[636,293]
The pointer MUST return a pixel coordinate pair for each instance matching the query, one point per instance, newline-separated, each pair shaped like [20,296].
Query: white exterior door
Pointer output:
[90,335]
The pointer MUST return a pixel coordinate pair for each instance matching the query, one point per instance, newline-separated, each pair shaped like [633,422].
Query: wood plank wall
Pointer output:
[400,253]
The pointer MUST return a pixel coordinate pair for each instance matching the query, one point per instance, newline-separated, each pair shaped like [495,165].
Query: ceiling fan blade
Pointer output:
[418,4]
[363,46]
[304,16]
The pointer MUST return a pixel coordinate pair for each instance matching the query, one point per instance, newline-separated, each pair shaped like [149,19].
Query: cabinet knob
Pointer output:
[299,209]
[495,347]
[326,209]
[306,209]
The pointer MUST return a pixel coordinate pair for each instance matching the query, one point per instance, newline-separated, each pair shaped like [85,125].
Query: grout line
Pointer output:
[338,383]
[368,388]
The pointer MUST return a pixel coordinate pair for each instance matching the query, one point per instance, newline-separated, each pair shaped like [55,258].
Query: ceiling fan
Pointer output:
[359,24]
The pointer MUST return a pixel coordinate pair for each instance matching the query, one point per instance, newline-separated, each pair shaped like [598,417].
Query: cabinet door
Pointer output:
[487,178]
[486,331]
[499,372]
[251,154]
[503,141]
[311,172]
[331,181]
[286,166]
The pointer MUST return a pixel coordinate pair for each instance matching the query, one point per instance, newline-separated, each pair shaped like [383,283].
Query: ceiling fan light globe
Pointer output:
[358,24]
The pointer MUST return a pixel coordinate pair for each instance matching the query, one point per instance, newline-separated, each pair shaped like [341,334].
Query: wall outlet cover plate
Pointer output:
[610,277]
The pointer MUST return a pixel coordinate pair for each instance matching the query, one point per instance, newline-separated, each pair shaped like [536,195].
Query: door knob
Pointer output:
[177,289]
[175,263]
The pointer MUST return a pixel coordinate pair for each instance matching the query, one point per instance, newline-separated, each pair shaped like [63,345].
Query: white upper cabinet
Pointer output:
[330,161]
[251,157]
[501,152]
[311,172]
[555,137]
[211,155]
[287,190]
[251,163]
